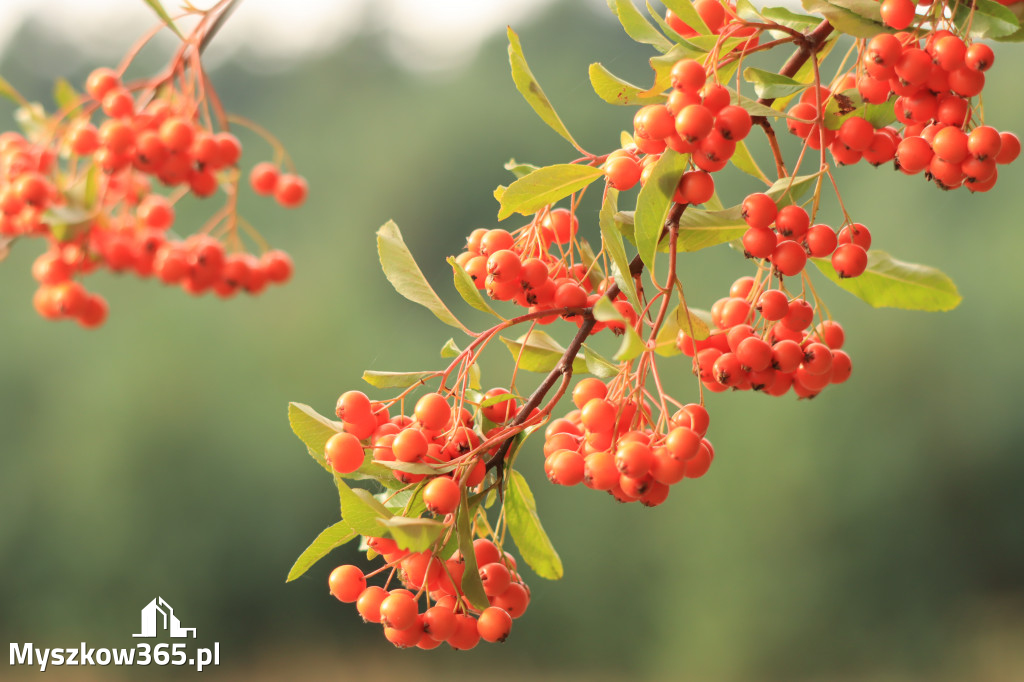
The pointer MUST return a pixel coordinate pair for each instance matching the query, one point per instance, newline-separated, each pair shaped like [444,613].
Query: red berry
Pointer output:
[347,583]
[849,260]
[263,178]
[291,190]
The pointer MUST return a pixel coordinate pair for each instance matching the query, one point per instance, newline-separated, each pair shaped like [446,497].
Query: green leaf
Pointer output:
[989,20]
[537,351]
[892,283]
[693,321]
[654,201]
[405,275]
[472,586]
[68,221]
[615,90]
[742,159]
[598,365]
[419,467]
[662,64]
[396,379]
[450,349]
[769,85]
[790,19]
[414,535]
[632,345]
[67,99]
[164,16]
[467,289]
[637,27]
[746,11]
[361,511]
[616,249]
[685,10]
[531,91]
[527,531]
[595,275]
[313,429]
[843,105]
[545,186]
[331,538]
[519,169]
[845,20]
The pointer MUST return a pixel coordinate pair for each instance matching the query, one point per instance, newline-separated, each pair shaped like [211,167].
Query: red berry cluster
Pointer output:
[86,185]
[720,18]
[764,341]
[442,436]
[446,615]
[793,238]
[534,267]
[933,84]
[610,443]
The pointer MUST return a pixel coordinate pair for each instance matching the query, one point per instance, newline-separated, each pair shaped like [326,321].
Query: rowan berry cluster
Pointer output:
[99,181]
[934,81]
[439,454]
[764,342]
[610,443]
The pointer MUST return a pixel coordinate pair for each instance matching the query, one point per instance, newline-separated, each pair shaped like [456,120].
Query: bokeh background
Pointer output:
[874,533]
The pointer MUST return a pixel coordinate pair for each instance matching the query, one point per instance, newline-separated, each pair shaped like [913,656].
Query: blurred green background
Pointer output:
[874,533]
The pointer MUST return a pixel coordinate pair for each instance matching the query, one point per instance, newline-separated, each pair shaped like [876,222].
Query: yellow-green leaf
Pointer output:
[531,91]
[526,529]
[545,186]
[331,538]
[892,283]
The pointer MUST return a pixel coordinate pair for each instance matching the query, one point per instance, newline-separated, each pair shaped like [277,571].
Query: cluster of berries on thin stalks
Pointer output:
[441,435]
[698,119]
[610,443]
[933,84]
[100,179]
[764,341]
[538,266]
[786,238]
[428,608]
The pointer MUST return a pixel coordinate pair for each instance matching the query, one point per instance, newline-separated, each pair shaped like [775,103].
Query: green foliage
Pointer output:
[770,85]
[892,283]
[467,289]
[537,351]
[531,91]
[615,90]
[545,186]
[331,538]
[637,27]
[654,202]
[526,529]
[616,249]
[405,275]
[158,7]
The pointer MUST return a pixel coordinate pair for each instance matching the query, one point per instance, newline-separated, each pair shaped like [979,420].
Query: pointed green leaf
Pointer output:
[450,349]
[746,11]
[545,186]
[632,345]
[637,27]
[397,379]
[7,90]
[615,90]
[595,275]
[331,538]
[313,429]
[467,289]
[845,20]
[405,275]
[790,19]
[597,364]
[892,283]
[66,98]
[519,169]
[472,586]
[654,201]
[614,247]
[742,159]
[531,91]
[414,535]
[770,85]
[526,529]
[164,16]
[538,352]
[361,511]
[986,19]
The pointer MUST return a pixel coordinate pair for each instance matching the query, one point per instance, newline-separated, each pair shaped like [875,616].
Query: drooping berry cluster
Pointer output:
[764,341]
[610,443]
[439,453]
[86,180]
[430,609]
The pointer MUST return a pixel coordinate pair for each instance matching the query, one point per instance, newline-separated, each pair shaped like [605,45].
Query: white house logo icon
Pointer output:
[169,621]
